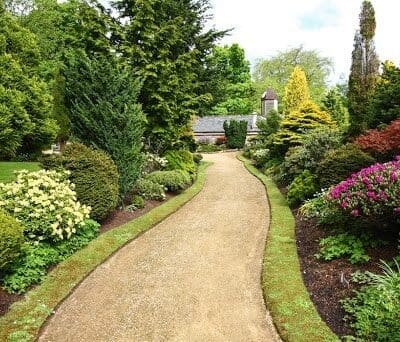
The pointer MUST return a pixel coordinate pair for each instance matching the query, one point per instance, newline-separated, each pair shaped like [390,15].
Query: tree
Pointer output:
[333,103]
[26,123]
[235,132]
[296,90]
[274,72]
[167,42]
[295,126]
[364,69]
[269,125]
[227,78]
[102,103]
[384,106]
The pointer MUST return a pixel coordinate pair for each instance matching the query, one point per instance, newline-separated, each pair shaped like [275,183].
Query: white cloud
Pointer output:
[263,27]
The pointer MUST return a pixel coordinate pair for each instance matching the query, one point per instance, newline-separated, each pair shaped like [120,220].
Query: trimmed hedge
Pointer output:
[174,181]
[235,132]
[341,163]
[11,240]
[94,174]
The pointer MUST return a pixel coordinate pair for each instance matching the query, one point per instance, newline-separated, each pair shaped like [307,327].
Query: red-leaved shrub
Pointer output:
[381,144]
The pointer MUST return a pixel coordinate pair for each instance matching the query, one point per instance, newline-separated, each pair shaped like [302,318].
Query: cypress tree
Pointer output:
[296,90]
[364,69]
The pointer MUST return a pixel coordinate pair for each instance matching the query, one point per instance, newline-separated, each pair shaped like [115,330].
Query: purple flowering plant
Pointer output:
[373,192]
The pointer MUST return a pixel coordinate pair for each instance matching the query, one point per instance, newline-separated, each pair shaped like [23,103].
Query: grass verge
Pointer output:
[23,321]
[286,296]
[7,169]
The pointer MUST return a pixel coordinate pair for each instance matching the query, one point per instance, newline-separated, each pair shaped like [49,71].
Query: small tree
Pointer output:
[333,104]
[269,125]
[296,90]
[235,132]
[102,104]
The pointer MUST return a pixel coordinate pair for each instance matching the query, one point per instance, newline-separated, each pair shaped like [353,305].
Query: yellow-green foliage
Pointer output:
[296,90]
[299,122]
[292,310]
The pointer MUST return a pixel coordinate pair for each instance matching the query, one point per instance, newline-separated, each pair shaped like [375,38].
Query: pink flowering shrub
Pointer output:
[373,192]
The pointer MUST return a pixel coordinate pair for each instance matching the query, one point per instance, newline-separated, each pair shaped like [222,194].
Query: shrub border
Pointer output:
[285,294]
[25,318]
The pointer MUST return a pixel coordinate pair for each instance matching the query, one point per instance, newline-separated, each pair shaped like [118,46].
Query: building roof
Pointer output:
[215,124]
[269,94]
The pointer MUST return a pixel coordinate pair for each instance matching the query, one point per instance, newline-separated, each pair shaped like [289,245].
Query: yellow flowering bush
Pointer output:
[45,203]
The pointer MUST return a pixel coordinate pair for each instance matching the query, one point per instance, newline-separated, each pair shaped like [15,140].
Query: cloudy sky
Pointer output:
[263,27]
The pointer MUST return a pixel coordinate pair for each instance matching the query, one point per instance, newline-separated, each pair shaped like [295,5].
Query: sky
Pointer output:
[264,27]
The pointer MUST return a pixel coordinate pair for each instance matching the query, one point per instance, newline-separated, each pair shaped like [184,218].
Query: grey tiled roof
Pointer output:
[214,124]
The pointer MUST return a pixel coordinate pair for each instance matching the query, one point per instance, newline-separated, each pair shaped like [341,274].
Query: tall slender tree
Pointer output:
[364,69]
[296,90]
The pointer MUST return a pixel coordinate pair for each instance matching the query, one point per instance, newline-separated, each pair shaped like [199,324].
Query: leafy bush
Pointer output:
[374,313]
[341,163]
[137,202]
[11,240]
[32,265]
[260,156]
[45,203]
[95,177]
[381,144]
[269,125]
[302,187]
[197,158]
[171,180]
[180,160]
[343,245]
[235,133]
[371,193]
[153,162]
[308,156]
[149,190]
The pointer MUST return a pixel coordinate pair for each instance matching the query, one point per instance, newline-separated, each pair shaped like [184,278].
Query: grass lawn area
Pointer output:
[7,169]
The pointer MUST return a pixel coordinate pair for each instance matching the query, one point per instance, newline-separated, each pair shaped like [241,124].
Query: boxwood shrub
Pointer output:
[94,174]
[174,181]
[11,240]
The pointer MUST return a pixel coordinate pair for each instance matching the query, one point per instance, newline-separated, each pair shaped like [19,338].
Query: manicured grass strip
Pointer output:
[285,294]
[7,169]
[23,321]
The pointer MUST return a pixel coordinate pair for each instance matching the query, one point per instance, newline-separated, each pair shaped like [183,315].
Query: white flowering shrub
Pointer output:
[45,204]
[153,162]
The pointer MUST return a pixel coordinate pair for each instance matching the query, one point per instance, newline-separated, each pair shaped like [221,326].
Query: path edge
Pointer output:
[26,318]
[286,297]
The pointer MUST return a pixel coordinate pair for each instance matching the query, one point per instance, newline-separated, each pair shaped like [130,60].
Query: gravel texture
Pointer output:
[193,277]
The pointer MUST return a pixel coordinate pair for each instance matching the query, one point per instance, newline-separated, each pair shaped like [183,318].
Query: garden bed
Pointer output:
[329,282]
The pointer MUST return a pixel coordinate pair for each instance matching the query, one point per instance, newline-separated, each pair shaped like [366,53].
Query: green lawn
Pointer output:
[7,169]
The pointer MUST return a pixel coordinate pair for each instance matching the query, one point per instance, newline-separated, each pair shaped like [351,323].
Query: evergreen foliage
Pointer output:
[180,160]
[174,181]
[333,103]
[11,240]
[102,104]
[295,126]
[302,188]
[95,177]
[296,90]
[235,133]
[364,69]
[384,106]
[26,122]
[270,125]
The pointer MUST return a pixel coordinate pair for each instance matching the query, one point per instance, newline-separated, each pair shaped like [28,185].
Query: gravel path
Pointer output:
[193,277]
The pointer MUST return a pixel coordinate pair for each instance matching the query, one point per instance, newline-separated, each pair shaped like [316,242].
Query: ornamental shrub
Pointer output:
[197,158]
[371,193]
[235,133]
[341,163]
[309,154]
[137,202]
[383,144]
[153,162]
[175,180]
[149,190]
[180,160]
[302,187]
[11,240]
[45,203]
[95,177]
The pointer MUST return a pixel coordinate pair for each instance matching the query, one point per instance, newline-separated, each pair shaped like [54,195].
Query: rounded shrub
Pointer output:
[197,158]
[137,201]
[95,177]
[149,190]
[302,188]
[180,160]
[175,180]
[11,240]
[341,163]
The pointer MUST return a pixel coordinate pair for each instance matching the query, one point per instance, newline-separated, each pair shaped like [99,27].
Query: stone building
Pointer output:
[269,101]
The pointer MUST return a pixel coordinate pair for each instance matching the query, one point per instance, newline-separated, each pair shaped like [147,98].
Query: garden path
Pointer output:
[193,277]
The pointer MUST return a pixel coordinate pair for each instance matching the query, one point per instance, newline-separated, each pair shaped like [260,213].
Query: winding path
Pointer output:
[193,277]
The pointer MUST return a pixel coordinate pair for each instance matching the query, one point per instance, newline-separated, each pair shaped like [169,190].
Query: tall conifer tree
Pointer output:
[364,69]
